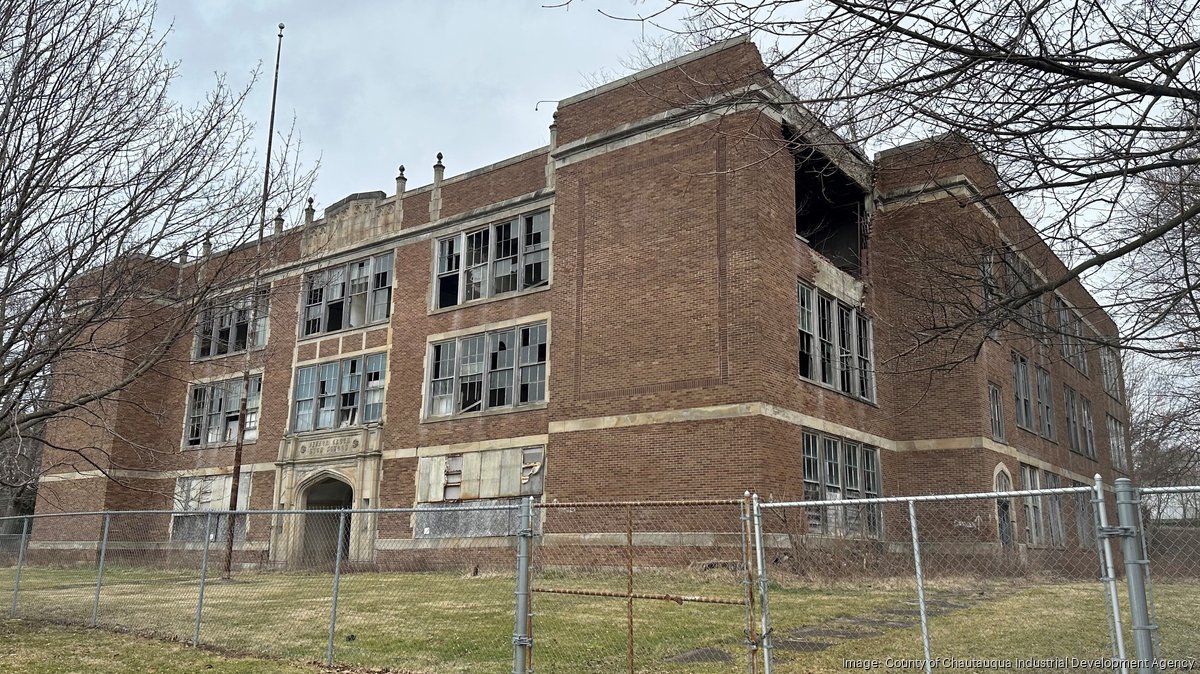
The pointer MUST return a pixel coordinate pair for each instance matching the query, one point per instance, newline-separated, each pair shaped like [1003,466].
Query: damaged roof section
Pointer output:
[831,207]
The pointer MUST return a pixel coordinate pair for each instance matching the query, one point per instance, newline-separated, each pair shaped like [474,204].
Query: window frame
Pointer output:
[1032,507]
[374,267]
[852,479]
[224,420]
[1071,401]
[1110,372]
[437,359]
[208,324]
[996,411]
[1045,404]
[182,509]
[1022,393]
[1071,331]
[526,253]
[1116,443]
[837,335]
[315,397]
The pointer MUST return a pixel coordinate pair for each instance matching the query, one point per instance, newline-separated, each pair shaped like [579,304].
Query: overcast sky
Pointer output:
[374,84]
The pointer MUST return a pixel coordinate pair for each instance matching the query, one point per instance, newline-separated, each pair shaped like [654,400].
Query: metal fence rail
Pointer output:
[1063,578]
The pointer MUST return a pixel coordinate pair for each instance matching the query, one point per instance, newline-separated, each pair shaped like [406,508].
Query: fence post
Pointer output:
[522,643]
[1139,615]
[337,581]
[100,569]
[760,562]
[916,547]
[208,534]
[1110,573]
[20,564]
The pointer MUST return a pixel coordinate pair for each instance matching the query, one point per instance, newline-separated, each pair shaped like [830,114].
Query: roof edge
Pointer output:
[654,70]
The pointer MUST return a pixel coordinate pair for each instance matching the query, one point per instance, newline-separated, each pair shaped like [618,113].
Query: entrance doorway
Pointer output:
[321,529]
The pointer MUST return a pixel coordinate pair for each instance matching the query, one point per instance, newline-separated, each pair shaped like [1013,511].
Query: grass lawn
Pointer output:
[458,623]
[52,649]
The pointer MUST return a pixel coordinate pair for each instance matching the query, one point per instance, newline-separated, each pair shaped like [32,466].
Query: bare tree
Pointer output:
[105,181]
[1084,108]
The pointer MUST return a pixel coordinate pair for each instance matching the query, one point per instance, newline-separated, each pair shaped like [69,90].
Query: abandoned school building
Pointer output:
[693,290]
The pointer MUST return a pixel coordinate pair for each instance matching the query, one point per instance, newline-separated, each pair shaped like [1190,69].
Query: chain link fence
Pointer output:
[1061,578]
[656,586]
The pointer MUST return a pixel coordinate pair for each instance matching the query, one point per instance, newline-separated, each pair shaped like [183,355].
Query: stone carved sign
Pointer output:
[328,447]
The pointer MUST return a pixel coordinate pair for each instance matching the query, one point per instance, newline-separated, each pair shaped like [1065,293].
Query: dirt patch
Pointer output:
[700,655]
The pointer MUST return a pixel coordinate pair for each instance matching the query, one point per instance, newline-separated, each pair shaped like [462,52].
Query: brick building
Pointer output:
[693,290]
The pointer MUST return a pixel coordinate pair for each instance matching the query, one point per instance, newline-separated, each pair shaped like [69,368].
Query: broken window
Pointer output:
[836,469]
[233,325]
[339,394]
[348,296]
[502,258]
[1110,370]
[830,206]
[836,349]
[214,412]
[1070,328]
[1021,392]
[1116,442]
[196,497]
[493,370]
[452,485]
[1072,418]
[1019,281]
[1045,402]
[996,410]
[807,337]
[1030,481]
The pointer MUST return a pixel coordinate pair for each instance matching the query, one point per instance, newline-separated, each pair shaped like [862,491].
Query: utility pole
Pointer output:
[235,482]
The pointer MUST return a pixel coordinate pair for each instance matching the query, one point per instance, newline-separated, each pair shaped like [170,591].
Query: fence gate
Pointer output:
[644,586]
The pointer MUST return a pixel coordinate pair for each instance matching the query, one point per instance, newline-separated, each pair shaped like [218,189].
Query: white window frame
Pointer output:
[841,344]
[1022,395]
[1045,404]
[1089,428]
[364,377]
[529,366]
[1074,437]
[377,271]
[1070,327]
[1116,443]
[207,413]
[202,494]
[455,260]
[1110,368]
[996,411]
[227,314]
[1056,528]
[835,469]
[1032,505]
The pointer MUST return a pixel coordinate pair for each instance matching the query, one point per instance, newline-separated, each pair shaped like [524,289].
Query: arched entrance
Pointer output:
[321,529]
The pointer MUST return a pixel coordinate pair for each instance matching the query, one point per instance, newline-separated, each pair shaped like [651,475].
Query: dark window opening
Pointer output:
[829,206]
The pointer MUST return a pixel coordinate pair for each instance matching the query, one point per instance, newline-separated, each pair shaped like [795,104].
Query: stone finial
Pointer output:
[278,221]
[206,247]
[309,212]
[435,196]
[401,182]
[550,154]
[183,255]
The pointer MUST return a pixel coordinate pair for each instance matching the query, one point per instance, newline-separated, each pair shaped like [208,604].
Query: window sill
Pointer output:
[485,413]
[1076,452]
[216,445]
[489,300]
[838,391]
[244,352]
[313,339]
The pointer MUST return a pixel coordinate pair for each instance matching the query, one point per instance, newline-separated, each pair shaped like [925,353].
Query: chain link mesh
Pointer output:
[1004,582]
[643,587]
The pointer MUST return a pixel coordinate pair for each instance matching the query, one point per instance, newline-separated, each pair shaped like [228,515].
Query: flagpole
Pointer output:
[239,446]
